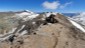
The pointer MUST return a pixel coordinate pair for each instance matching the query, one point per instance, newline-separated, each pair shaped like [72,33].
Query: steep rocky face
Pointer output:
[54,31]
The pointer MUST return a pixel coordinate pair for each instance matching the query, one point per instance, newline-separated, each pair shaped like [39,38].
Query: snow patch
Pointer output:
[24,32]
[21,28]
[30,17]
[12,30]
[33,22]
[5,38]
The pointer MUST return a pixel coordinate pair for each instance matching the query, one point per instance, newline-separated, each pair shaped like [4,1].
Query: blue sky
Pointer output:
[43,5]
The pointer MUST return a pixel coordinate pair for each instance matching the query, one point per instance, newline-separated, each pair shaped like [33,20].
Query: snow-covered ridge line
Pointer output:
[77,25]
[26,16]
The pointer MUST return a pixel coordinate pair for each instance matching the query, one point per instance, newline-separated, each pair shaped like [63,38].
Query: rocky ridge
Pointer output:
[54,31]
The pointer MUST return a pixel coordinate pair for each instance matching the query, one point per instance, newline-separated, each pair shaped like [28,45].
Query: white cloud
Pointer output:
[65,5]
[51,5]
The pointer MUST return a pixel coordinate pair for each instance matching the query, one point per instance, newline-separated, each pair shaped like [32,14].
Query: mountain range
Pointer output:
[26,29]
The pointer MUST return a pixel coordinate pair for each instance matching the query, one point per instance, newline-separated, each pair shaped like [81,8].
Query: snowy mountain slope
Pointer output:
[80,19]
[29,20]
